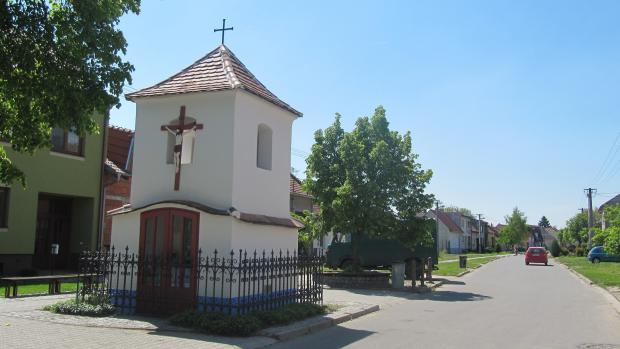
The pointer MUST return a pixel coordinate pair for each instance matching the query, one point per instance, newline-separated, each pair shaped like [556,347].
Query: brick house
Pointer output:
[117,175]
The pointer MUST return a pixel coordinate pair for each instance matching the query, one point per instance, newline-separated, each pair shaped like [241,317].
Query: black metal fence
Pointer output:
[234,283]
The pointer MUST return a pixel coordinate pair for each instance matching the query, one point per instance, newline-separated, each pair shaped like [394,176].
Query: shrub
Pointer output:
[579,251]
[88,307]
[564,251]
[555,248]
[498,248]
[612,241]
[246,325]
[599,237]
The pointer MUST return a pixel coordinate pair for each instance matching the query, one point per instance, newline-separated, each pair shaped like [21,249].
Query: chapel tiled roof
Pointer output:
[219,70]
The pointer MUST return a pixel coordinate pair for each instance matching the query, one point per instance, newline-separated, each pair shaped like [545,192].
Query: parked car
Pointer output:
[597,254]
[536,255]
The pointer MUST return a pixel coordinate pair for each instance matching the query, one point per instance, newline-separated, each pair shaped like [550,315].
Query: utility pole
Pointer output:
[437,225]
[590,215]
[480,232]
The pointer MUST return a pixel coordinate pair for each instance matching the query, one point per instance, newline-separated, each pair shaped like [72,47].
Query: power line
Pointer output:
[611,174]
[608,159]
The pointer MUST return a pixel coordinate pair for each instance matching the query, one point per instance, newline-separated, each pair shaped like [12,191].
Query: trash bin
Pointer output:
[462,262]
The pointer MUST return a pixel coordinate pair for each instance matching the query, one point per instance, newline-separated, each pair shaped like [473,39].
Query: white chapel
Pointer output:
[211,164]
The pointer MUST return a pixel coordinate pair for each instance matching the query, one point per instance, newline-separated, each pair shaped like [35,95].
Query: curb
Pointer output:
[464,273]
[613,300]
[469,270]
[283,333]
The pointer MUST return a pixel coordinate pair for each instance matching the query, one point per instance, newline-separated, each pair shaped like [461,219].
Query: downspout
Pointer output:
[104,152]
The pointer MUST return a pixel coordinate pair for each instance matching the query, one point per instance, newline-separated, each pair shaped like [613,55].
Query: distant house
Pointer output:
[469,226]
[449,234]
[302,201]
[549,235]
[536,236]
[613,201]
[492,236]
[117,175]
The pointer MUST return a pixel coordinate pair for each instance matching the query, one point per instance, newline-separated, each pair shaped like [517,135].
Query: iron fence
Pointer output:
[236,283]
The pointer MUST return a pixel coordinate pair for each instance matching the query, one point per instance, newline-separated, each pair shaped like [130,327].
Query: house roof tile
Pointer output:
[119,144]
[613,201]
[448,222]
[296,187]
[219,70]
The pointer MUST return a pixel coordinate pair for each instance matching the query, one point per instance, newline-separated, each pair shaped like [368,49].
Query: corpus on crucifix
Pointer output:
[179,128]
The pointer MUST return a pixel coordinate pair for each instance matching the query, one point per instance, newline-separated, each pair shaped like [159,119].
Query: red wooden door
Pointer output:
[168,252]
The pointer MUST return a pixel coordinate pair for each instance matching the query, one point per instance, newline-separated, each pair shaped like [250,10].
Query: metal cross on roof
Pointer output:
[224,29]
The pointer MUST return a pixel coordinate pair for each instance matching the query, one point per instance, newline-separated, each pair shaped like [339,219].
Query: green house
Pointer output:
[60,205]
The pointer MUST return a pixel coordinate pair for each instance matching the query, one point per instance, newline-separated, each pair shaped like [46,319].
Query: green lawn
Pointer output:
[602,274]
[40,289]
[452,268]
[448,256]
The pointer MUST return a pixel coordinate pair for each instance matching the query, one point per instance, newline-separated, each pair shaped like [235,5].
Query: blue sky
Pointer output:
[510,103]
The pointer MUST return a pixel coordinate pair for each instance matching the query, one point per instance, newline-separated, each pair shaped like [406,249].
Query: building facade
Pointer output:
[60,205]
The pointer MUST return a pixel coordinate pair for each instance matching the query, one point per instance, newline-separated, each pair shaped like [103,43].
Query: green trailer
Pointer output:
[376,252]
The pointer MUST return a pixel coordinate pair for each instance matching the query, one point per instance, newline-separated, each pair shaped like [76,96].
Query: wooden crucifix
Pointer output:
[178,129]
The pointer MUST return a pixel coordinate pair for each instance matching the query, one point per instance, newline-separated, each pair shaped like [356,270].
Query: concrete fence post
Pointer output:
[398,275]
[414,271]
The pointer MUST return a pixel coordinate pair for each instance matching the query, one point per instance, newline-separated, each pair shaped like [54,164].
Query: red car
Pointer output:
[536,255]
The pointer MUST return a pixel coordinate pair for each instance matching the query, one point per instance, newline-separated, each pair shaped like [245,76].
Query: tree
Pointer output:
[60,64]
[576,230]
[461,210]
[544,222]
[612,242]
[515,230]
[367,181]
[555,248]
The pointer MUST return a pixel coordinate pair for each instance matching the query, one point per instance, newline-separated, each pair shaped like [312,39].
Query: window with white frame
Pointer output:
[264,147]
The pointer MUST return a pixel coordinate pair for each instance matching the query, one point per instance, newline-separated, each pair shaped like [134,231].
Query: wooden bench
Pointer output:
[53,281]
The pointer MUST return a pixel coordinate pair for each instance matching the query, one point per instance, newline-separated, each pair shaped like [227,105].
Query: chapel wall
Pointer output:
[208,179]
[256,190]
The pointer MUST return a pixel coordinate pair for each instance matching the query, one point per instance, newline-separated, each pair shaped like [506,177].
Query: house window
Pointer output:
[64,141]
[263,147]
[4,207]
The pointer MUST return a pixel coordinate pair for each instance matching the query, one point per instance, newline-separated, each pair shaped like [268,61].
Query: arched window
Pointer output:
[263,147]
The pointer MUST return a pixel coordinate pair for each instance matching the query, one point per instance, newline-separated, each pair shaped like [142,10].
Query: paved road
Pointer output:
[505,304]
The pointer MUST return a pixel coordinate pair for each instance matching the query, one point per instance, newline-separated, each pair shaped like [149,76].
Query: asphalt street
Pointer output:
[504,304]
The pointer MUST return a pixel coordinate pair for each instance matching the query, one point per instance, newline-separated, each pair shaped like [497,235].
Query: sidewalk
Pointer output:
[24,325]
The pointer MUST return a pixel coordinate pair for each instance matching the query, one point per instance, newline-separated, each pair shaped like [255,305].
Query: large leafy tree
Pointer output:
[544,222]
[576,230]
[368,181]
[60,63]
[515,230]
[610,237]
